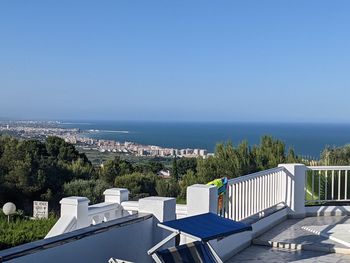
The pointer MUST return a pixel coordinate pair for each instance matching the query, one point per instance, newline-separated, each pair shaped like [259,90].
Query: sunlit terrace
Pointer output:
[297,213]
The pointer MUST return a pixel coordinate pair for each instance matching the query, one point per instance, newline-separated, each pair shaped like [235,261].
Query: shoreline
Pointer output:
[81,138]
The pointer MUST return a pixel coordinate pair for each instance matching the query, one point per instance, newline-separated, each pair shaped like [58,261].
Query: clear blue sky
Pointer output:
[175,60]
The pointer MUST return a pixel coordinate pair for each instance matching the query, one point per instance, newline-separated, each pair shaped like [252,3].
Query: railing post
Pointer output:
[295,189]
[202,199]
[116,195]
[163,209]
[78,207]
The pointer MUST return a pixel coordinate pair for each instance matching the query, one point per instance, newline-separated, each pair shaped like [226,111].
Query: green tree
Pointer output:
[113,168]
[139,185]
[336,155]
[58,149]
[269,153]
[185,164]
[33,170]
[167,187]
[189,179]
[149,167]
[175,171]
[292,157]
[92,189]
[227,161]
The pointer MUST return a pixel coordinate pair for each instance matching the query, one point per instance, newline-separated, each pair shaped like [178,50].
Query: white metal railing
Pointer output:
[252,194]
[327,184]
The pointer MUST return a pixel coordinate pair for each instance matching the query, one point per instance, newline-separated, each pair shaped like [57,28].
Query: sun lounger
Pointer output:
[202,228]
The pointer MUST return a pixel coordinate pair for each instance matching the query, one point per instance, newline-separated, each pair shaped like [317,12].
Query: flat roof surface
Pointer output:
[262,254]
[290,242]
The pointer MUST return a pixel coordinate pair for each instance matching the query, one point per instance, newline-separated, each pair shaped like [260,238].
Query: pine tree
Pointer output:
[175,170]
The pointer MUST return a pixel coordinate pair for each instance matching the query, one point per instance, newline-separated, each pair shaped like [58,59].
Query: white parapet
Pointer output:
[201,199]
[295,188]
[76,212]
[78,207]
[104,212]
[130,207]
[116,195]
[64,225]
[74,215]
[163,209]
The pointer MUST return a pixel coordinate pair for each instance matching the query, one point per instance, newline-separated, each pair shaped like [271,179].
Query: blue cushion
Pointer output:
[207,226]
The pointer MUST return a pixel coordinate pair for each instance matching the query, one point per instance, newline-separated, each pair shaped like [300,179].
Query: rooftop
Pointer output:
[288,208]
[264,254]
[290,241]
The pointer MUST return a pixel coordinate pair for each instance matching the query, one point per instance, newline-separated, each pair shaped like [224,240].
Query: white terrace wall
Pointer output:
[129,242]
[76,212]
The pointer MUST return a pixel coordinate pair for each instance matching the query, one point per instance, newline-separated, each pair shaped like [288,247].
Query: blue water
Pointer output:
[306,139]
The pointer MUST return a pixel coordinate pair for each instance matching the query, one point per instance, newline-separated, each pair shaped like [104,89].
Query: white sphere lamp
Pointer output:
[9,209]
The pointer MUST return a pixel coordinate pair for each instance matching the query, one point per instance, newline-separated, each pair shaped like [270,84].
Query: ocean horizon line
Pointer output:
[90,122]
[85,121]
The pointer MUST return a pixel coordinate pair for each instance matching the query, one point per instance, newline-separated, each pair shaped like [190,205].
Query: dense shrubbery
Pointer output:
[21,230]
[233,161]
[92,189]
[328,187]
[336,155]
[167,188]
[33,170]
[140,185]
[228,161]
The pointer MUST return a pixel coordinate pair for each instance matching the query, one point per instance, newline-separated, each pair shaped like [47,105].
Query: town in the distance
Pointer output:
[42,129]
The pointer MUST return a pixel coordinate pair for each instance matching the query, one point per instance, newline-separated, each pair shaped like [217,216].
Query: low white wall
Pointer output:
[269,222]
[231,245]
[129,242]
[76,209]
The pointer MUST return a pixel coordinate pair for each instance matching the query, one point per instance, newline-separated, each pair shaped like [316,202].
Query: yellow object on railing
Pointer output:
[221,185]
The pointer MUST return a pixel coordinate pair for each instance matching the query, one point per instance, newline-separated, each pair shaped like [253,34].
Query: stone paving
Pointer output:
[264,254]
[339,233]
[310,247]
[290,231]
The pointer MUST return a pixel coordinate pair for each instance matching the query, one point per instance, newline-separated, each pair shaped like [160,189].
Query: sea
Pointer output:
[307,139]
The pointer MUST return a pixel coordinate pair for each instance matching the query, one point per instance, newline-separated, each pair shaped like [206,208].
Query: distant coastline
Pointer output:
[306,139]
[82,138]
[107,131]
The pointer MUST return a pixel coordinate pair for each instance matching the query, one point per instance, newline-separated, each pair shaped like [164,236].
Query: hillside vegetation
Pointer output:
[33,170]
[22,230]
